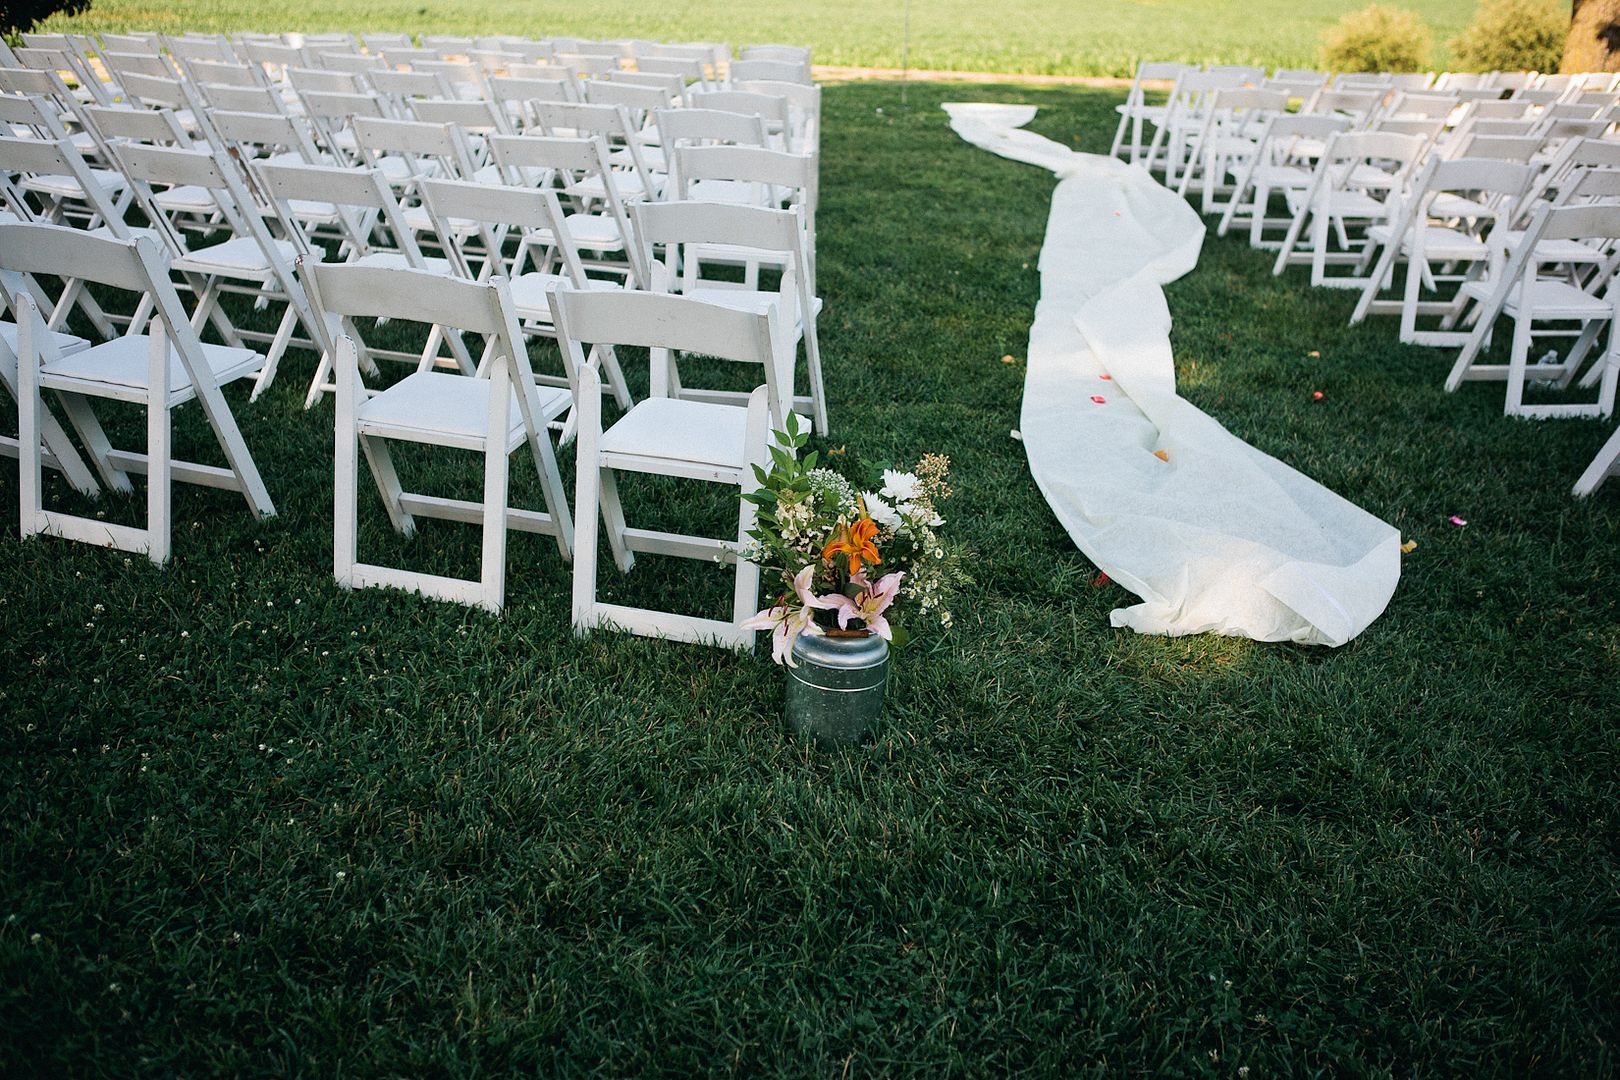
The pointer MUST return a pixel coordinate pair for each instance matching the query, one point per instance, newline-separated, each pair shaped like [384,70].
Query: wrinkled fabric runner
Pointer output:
[1220,537]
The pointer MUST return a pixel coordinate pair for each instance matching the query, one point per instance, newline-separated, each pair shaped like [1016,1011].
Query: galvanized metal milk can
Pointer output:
[836,691]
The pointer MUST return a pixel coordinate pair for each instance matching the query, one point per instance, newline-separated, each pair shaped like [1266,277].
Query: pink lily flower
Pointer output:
[786,622]
[868,605]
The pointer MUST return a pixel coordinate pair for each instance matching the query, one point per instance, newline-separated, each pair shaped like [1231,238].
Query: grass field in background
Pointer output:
[253,824]
[1099,37]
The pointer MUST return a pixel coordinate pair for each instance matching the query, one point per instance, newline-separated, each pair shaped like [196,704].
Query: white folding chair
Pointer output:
[493,414]
[665,435]
[679,227]
[1357,184]
[362,208]
[1233,128]
[1444,230]
[1283,160]
[544,257]
[578,169]
[250,262]
[161,368]
[611,123]
[1136,111]
[1520,293]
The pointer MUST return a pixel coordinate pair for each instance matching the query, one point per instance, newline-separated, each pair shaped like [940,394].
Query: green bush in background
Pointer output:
[1377,38]
[1514,35]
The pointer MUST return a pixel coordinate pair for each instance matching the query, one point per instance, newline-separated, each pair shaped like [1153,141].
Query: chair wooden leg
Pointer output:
[346,480]
[587,511]
[745,597]
[613,518]
[1518,358]
[158,451]
[30,407]
[1606,464]
[388,485]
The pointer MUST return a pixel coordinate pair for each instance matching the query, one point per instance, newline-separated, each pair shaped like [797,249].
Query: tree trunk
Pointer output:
[1594,37]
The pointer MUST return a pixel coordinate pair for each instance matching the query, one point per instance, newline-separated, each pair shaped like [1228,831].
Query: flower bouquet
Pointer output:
[849,563]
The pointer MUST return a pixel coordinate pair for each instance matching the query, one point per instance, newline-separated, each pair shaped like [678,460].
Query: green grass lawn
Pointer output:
[255,824]
[1099,37]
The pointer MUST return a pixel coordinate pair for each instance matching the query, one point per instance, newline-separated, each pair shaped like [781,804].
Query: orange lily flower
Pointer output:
[854,541]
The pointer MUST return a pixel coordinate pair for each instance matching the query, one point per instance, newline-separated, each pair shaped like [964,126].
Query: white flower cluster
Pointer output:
[901,507]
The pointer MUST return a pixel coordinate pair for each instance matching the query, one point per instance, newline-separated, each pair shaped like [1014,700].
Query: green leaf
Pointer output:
[810,460]
[901,636]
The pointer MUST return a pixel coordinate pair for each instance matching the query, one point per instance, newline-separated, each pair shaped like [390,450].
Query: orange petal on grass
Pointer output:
[1409,547]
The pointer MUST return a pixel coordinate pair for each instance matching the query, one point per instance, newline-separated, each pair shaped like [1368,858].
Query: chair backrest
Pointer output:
[516,92]
[476,117]
[688,69]
[1422,105]
[403,85]
[705,126]
[327,81]
[360,198]
[157,126]
[661,322]
[33,113]
[775,169]
[352,63]
[262,134]
[1519,148]
[250,99]
[414,142]
[223,73]
[777,70]
[643,99]
[494,209]
[138,63]
[773,107]
[787,54]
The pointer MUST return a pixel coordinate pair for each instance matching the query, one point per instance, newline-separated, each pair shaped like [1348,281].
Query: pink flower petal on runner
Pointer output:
[1105,375]
[1099,399]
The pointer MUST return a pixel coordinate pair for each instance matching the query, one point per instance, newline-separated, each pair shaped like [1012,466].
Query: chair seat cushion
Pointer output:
[529,292]
[239,256]
[430,406]
[727,191]
[65,343]
[396,260]
[122,362]
[673,430]
[1438,243]
[598,232]
[187,199]
[65,187]
[756,300]
[1549,300]
[1562,250]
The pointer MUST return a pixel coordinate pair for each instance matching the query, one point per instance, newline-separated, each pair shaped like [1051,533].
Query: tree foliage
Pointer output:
[17,16]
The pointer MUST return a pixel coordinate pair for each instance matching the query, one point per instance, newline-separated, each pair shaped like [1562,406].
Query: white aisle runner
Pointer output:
[1219,537]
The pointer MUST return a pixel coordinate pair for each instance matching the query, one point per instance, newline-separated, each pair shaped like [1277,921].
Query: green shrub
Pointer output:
[1514,35]
[1377,38]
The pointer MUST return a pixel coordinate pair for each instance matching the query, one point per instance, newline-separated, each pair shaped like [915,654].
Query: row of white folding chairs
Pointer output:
[330,120]
[496,411]
[1488,224]
[306,199]
[1365,97]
